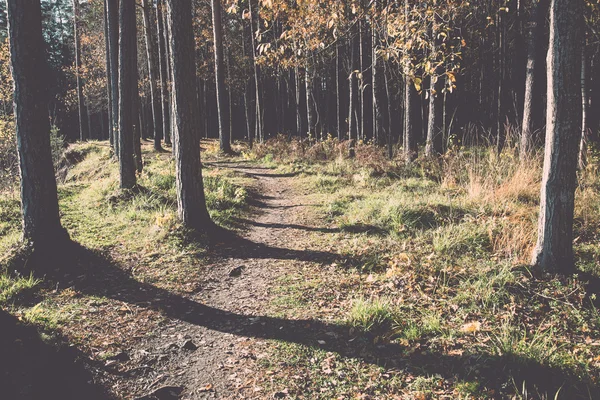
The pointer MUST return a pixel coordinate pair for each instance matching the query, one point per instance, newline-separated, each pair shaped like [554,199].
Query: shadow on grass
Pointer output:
[95,274]
[32,369]
[354,228]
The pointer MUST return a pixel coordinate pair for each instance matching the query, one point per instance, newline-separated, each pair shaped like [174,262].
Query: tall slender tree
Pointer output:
[153,71]
[127,91]
[39,199]
[112,18]
[84,132]
[191,203]
[222,106]
[554,249]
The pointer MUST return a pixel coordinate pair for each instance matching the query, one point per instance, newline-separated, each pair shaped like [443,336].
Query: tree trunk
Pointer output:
[352,152]
[338,111]
[361,82]
[112,12]
[374,81]
[191,203]
[39,199]
[298,102]
[535,26]
[410,140]
[165,89]
[433,143]
[259,125]
[224,139]
[127,91]
[153,73]
[554,249]
[108,74]
[84,133]
[584,106]
[310,104]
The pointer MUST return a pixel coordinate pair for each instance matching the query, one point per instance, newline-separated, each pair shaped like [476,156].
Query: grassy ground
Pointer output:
[136,232]
[432,296]
[439,280]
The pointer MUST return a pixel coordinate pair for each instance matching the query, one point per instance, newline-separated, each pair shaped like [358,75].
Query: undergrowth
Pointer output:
[434,259]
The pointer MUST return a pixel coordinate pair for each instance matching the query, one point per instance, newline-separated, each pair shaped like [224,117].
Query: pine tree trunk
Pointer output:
[84,133]
[352,152]
[310,106]
[108,75]
[39,199]
[191,203]
[127,90]
[535,25]
[259,125]
[584,106]
[554,249]
[361,81]
[298,102]
[165,89]
[338,110]
[224,140]
[374,80]
[410,140]
[112,12]
[153,72]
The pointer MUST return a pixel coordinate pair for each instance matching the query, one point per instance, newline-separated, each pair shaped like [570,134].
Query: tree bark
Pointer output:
[112,12]
[535,25]
[127,91]
[582,161]
[221,91]
[39,199]
[153,73]
[338,111]
[259,124]
[352,152]
[554,249]
[164,74]
[84,133]
[298,102]
[310,104]
[191,203]
[410,140]
[108,75]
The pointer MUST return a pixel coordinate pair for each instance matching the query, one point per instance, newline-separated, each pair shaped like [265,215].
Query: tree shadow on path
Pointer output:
[95,274]
[31,369]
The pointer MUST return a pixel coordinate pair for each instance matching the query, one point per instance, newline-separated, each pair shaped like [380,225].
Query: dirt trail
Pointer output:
[222,364]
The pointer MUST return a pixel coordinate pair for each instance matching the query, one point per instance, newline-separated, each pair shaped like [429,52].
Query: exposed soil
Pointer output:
[214,355]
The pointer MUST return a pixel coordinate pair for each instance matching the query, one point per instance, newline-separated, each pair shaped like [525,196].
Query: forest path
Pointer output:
[276,243]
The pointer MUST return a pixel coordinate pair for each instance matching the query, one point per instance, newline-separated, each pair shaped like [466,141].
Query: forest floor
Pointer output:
[339,280]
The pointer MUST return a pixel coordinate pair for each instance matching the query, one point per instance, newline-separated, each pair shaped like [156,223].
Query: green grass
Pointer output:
[440,269]
[11,286]
[135,230]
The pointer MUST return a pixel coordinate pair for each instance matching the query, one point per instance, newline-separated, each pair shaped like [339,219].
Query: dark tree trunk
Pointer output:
[298,103]
[108,75]
[535,26]
[191,203]
[338,111]
[84,133]
[222,106]
[259,123]
[584,108]
[351,99]
[153,72]
[39,200]
[554,249]
[310,102]
[112,12]
[164,74]
[410,140]
[127,91]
